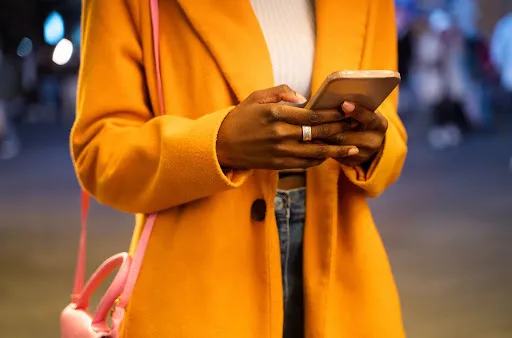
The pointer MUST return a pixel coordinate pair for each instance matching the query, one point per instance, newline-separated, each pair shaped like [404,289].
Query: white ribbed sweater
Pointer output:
[289,30]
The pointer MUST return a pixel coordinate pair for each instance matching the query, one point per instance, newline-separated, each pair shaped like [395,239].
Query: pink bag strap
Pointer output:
[80,264]
[140,250]
[155,25]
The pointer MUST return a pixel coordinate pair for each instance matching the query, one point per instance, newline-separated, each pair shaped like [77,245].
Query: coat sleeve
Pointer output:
[123,155]
[380,52]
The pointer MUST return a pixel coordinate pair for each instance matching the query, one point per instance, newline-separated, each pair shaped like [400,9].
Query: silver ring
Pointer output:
[306,133]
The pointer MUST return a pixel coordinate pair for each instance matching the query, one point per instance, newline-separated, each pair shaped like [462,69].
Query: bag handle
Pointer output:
[140,250]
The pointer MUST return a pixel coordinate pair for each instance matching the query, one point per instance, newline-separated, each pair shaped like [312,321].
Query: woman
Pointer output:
[442,81]
[219,263]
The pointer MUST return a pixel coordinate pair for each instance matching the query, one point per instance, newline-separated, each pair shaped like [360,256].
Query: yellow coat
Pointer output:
[212,269]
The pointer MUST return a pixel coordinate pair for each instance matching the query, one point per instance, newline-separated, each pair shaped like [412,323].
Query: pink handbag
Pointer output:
[75,320]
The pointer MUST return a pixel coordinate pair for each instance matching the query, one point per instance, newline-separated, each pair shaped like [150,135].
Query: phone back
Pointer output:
[361,87]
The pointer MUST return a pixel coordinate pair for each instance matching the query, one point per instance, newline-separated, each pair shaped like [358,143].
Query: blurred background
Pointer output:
[447,223]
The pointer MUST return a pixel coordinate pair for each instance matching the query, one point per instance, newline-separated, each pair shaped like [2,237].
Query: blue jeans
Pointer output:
[290,214]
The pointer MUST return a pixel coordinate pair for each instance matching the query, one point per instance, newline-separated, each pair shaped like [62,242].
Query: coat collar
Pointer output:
[232,33]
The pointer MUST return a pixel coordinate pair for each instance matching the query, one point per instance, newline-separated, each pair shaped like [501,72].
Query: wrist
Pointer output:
[222,157]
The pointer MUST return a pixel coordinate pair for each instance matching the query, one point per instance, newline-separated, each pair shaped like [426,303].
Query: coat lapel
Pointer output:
[232,33]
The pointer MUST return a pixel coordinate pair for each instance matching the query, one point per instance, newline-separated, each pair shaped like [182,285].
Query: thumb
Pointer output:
[276,95]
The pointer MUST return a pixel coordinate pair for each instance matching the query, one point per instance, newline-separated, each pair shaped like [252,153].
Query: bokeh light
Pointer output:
[53,28]
[63,52]
[25,47]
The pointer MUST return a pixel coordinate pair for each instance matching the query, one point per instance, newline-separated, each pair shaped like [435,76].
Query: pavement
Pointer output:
[447,226]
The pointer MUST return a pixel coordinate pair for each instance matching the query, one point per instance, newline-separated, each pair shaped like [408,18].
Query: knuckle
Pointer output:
[280,148]
[376,143]
[280,131]
[320,151]
[274,132]
[326,130]
[283,88]
[274,113]
[342,152]
[251,97]
[339,138]
[255,96]
[314,117]
[335,115]
[373,121]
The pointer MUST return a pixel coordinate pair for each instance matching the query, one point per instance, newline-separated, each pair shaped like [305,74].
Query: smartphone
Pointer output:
[368,88]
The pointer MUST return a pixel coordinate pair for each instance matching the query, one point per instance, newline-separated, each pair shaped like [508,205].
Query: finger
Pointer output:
[370,120]
[321,131]
[367,139]
[301,116]
[276,95]
[326,130]
[319,151]
[362,157]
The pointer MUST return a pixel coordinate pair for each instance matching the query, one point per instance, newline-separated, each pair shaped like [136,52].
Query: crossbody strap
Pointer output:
[82,245]
[140,250]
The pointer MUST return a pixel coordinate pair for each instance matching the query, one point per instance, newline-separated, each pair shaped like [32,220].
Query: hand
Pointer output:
[367,134]
[261,133]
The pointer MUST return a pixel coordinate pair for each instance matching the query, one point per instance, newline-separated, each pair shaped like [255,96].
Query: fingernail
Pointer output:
[348,107]
[353,151]
[301,98]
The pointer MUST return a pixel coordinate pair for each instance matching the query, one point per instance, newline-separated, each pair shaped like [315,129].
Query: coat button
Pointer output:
[259,210]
